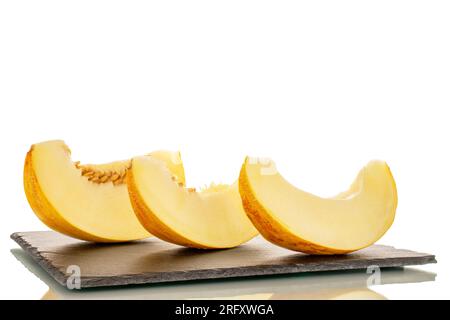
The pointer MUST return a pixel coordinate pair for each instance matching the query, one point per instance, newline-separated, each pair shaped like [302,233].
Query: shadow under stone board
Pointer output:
[155,261]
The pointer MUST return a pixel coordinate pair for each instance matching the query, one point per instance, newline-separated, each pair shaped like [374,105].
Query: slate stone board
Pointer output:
[155,261]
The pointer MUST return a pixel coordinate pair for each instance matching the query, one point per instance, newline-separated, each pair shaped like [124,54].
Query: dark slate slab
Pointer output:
[355,284]
[155,261]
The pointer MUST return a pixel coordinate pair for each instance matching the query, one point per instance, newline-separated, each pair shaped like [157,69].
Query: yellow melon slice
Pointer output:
[298,220]
[207,219]
[88,202]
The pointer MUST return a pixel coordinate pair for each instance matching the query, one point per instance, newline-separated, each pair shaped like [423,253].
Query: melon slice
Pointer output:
[88,202]
[208,219]
[297,220]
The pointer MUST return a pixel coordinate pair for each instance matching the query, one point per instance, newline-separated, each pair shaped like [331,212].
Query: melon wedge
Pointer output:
[88,202]
[297,220]
[209,219]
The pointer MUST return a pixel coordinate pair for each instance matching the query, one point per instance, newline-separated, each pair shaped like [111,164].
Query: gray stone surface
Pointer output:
[154,261]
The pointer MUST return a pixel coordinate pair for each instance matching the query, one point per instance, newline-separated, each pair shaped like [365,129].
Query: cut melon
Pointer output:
[297,220]
[88,202]
[209,219]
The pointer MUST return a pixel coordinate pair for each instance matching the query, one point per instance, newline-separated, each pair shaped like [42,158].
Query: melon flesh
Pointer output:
[298,220]
[210,219]
[86,202]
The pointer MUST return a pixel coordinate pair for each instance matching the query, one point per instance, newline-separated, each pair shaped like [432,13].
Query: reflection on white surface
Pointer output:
[322,285]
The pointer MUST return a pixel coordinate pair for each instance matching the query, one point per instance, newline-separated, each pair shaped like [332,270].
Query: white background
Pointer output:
[321,87]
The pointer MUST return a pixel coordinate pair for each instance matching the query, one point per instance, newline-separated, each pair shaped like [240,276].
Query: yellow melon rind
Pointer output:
[150,220]
[44,209]
[273,230]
